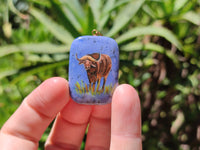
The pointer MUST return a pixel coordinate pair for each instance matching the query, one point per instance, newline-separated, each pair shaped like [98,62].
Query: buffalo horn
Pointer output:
[88,57]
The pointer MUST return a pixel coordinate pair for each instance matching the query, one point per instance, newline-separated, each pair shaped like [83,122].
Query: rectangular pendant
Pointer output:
[93,69]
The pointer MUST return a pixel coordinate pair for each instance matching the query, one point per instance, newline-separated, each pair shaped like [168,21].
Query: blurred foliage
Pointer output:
[159,43]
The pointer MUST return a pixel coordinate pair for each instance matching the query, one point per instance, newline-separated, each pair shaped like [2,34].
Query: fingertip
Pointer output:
[126,88]
[128,93]
[126,119]
[52,94]
[126,111]
[56,82]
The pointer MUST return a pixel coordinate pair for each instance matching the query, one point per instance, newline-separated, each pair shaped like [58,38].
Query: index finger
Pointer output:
[25,127]
[126,119]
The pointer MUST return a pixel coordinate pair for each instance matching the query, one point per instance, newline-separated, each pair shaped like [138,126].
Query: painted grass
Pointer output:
[84,88]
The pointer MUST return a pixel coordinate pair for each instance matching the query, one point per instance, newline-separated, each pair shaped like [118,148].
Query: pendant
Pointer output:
[93,69]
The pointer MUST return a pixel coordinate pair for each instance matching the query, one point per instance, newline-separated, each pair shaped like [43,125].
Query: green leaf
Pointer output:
[35,70]
[90,23]
[139,46]
[192,17]
[72,19]
[178,4]
[150,30]
[63,18]
[7,50]
[76,8]
[108,5]
[105,13]
[8,73]
[75,13]
[103,22]
[36,58]
[95,6]
[45,3]
[39,48]
[149,11]
[57,30]
[167,6]
[125,16]
[107,9]
[115,5]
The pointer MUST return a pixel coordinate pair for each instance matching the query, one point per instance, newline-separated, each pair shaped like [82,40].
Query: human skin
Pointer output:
[115,126]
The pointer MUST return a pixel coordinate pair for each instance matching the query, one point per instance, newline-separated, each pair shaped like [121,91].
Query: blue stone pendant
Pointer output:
[93,69]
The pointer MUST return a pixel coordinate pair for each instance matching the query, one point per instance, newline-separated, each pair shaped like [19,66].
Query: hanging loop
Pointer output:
[96,33]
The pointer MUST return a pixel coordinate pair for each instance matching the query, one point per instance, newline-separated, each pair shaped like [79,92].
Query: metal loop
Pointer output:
[96,33]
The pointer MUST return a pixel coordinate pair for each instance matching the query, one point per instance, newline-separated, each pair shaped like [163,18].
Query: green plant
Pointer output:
[84,88]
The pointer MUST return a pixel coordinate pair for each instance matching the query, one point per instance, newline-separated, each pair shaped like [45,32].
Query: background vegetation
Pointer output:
[159,43]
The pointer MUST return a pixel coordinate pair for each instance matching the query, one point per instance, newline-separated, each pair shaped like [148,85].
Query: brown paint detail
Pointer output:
[97,66]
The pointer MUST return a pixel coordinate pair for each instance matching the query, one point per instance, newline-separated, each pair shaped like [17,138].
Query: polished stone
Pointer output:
[93,69]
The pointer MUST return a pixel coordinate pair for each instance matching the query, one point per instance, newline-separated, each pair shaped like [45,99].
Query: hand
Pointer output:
[118,128]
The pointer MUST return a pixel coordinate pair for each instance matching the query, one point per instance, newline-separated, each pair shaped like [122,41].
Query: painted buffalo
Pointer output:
[97,66]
